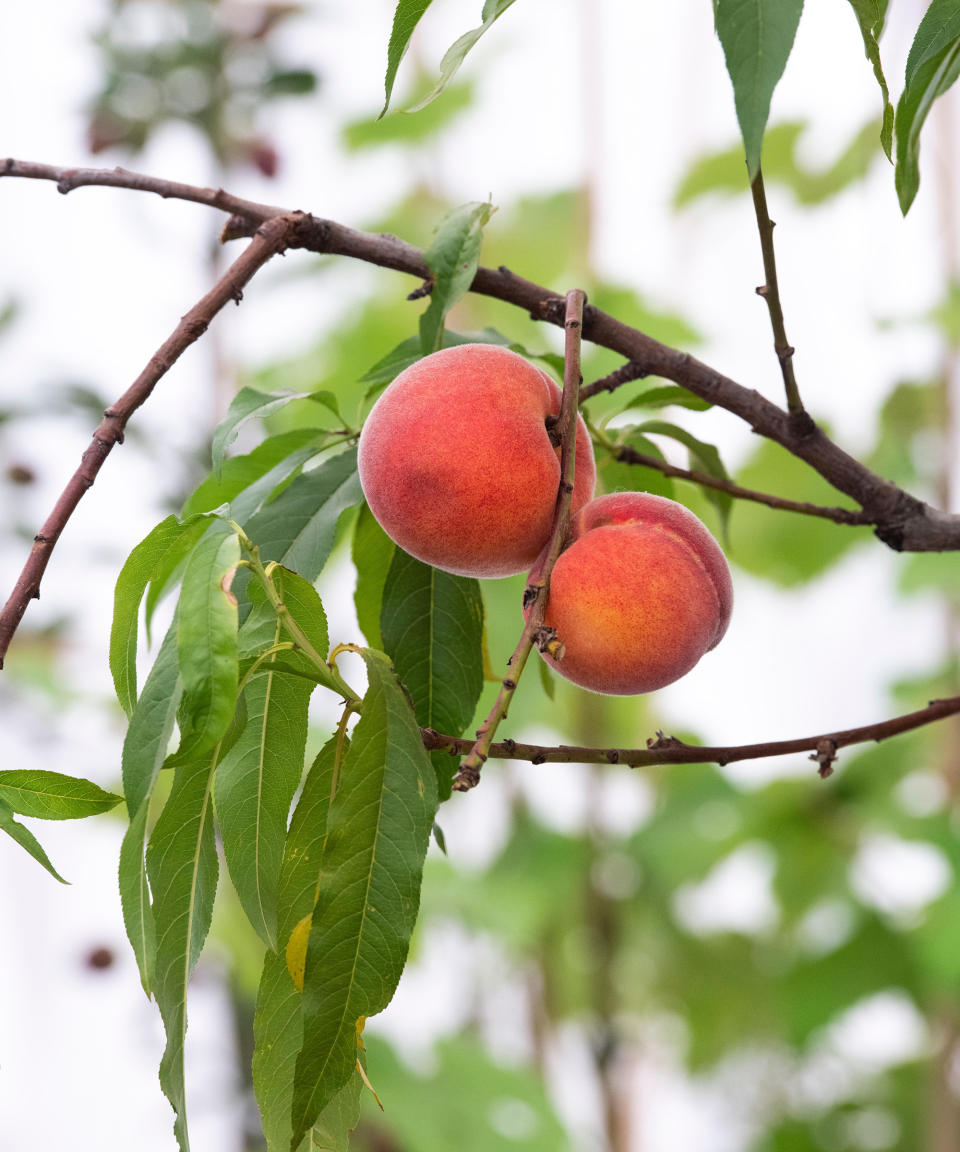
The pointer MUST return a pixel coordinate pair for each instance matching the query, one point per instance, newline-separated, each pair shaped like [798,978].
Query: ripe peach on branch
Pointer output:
[641,593]
[458,465]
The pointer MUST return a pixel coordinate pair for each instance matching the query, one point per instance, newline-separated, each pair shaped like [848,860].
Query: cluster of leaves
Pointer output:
[234,674]
[333,889]
[757,40]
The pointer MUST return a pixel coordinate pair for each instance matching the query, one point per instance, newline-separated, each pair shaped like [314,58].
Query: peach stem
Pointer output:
[538,589]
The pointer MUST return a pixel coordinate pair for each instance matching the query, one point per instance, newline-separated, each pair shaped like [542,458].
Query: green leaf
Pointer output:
[757,36]
[247,403]
[53,796]
[144,750]
[169,568]
[331,1132]
[26,839]
[377,835]
[372,553]
[182,867]
[432,624]
[297,529]
[277,1022]
[871,15]
[246,482]
[255,783]
[165,545]
[409,352]
[387,368]
[703,457]
[257,778]
[616,476]
[207,642]
[405,19]
[305,609]
[932,66]
[456,53]
[666,395]
[325,399]
[278,1034]
[452,258]
[301,607]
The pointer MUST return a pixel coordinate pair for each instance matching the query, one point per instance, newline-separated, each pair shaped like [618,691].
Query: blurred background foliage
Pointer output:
[681,919]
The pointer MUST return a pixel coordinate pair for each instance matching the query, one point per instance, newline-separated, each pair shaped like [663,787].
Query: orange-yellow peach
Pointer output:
[641,593]
[457,465]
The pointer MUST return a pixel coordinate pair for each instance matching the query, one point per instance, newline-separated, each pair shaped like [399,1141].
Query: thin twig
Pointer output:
[68,179]
[900,520]
[668,750]
[267,242]
[538,589]
[627,455]
[770,291]
[625,374]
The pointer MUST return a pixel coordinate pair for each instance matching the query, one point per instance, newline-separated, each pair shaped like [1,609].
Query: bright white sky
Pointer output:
[105,275]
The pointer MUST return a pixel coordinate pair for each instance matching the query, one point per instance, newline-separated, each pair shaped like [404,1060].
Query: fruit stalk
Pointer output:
[538,589]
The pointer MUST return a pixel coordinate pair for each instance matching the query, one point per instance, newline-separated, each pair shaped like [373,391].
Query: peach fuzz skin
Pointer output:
[639,596]
[457,466]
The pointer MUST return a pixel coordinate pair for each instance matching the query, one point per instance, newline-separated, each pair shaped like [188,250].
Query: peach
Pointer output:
[457,465]
[641,593]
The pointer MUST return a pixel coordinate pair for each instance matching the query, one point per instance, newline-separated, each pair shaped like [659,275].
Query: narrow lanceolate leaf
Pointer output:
[245,482]
[255,784]
[432,625]
[456,53]
[144,750]
[405,19]
[182,866]
[53,796]
[277,1022]
[703,457]
[278,1035]
[372,552]
[247,403]
[257,778]
[298,528]
[378,829]
[169,569]
[452,258]
[871,15]
[166,544]
[207,641]
[665,396]
[26,839]
[757,36]
[932,66]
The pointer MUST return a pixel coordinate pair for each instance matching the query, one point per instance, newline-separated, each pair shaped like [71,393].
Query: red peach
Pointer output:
[457,464]
[639,596]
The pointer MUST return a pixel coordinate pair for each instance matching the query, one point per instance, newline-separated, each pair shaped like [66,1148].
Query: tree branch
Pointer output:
[67,179]
[267,241]
[668,750]
[627,455]
[900,520]
[537,591]
[770,291]
[625,374]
